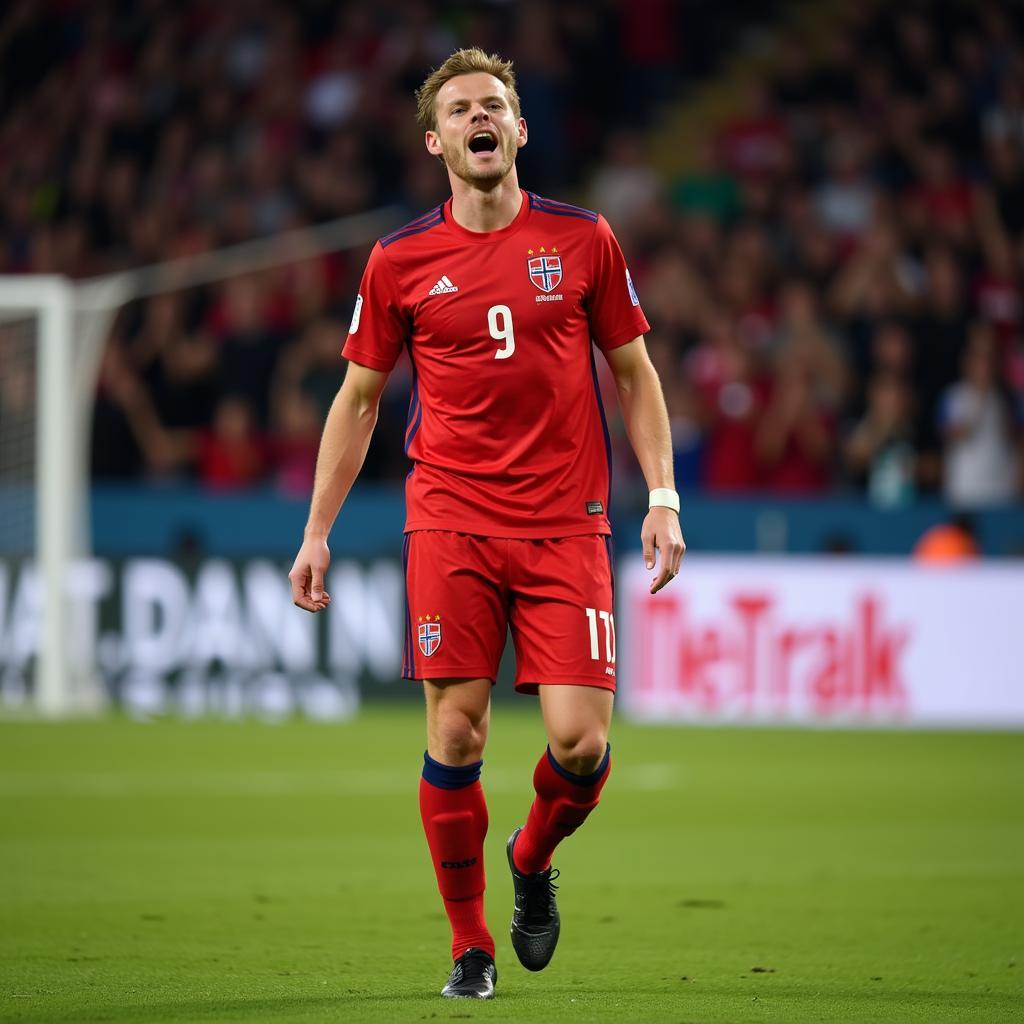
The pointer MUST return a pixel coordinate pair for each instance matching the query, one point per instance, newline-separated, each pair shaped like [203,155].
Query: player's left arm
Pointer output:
[646,418]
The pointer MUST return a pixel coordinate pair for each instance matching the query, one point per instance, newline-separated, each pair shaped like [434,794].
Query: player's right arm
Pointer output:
[376,335]
[343,446]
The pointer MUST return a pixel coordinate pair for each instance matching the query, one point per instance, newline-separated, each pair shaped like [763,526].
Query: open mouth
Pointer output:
[483,142]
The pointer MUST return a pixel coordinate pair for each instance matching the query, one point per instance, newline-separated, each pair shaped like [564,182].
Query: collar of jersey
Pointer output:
[488,236]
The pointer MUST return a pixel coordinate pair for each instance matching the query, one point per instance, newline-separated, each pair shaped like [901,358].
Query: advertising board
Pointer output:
[216,637]
[824,642]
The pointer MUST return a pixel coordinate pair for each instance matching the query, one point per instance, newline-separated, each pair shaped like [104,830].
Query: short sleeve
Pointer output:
[614,308]
[379,327]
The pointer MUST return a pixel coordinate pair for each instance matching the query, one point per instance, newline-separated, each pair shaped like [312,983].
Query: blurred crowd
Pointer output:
[834,284]
[835,287]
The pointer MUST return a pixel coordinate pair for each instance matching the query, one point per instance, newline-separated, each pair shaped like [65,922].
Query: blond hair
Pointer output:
[463,62]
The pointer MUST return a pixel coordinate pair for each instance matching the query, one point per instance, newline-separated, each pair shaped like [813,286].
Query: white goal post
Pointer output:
[58,329]
[49,301]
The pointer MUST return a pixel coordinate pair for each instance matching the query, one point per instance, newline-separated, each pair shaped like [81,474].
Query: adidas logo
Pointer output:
[443,287]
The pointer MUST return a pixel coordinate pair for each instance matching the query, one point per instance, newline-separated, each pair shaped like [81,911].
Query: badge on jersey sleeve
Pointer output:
[429,634]
[545,272]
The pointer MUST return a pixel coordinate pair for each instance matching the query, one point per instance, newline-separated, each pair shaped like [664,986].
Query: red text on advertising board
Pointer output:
[752,656]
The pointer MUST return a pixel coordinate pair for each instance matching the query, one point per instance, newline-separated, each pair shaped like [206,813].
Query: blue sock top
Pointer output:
[583,780]
[446,776]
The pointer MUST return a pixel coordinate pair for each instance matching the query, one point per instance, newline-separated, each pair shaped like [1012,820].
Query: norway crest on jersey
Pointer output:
[545,272]
[430,636]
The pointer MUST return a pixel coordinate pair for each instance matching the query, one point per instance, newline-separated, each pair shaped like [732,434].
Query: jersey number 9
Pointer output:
[499,322]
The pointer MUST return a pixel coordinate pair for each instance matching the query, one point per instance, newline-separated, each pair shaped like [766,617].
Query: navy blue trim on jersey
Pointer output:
[560,209]
[407,668]
[582,780]
[414,227]
[412,423]
[418,222]
[415,417]
[414,426]
[604,427]
[447,776]
[609,546]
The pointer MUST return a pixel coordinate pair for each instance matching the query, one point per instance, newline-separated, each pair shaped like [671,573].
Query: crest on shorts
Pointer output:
[545,272]
[429,632]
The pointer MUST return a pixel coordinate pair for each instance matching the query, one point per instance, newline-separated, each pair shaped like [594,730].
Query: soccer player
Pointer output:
[500,297]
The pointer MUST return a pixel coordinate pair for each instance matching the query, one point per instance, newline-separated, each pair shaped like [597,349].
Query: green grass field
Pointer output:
[241,872]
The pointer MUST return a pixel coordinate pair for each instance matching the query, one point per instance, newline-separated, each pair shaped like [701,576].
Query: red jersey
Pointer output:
[506,429]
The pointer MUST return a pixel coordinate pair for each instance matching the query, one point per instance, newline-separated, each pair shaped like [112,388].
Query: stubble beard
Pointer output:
[457,161]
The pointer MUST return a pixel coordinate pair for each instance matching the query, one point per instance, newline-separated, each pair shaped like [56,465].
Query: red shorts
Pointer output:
[465,592]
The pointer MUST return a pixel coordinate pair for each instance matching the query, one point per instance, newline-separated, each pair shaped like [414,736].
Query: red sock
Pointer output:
[455,821]
[561,805]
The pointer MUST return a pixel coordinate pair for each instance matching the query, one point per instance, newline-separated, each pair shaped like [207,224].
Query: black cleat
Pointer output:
[473,976]
[535,920]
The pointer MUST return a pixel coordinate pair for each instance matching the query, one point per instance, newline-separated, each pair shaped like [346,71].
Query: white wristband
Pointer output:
[664,497]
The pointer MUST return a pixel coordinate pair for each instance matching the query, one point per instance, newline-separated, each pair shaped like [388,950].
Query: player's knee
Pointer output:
[581,753]
[458,739]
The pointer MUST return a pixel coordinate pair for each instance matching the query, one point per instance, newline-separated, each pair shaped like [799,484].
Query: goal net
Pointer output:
[52,336]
